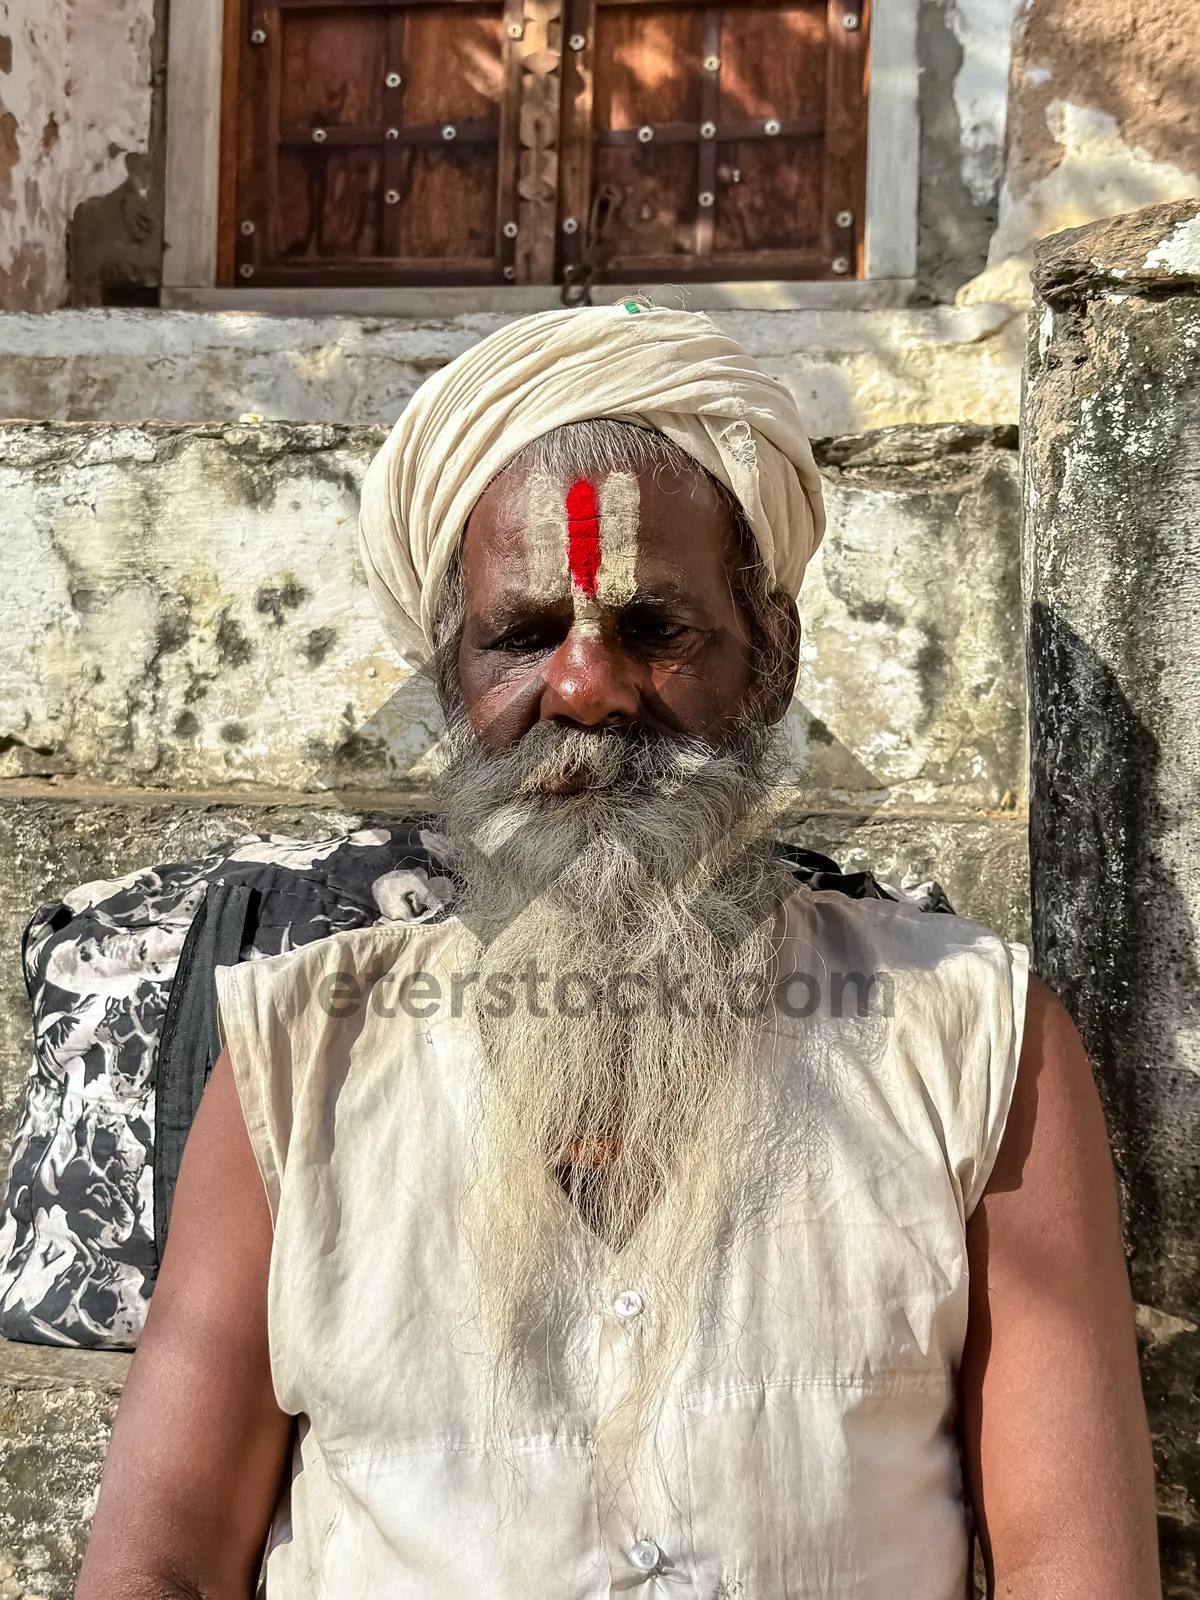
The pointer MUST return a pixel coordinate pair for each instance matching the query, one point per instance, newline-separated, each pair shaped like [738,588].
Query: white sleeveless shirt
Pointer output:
[807,1442]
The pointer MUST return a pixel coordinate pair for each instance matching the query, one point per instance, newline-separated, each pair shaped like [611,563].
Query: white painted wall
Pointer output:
[984,30]
[74,102]
[850,371]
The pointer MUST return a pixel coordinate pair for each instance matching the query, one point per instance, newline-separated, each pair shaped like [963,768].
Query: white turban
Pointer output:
[670,370]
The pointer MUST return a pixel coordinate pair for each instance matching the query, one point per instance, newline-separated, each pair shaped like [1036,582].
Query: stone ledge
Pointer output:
[906,446]
[1146,251]
[444,301]
[56,1410]
[849,369]
[397,802]
[44,1366]
[188,611]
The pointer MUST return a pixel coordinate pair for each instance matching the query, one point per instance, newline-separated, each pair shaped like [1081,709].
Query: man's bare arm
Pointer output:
[1058,1452]
[199,1446]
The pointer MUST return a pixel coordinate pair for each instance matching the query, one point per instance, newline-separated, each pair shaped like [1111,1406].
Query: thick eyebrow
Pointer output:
[664,592]
[516,604]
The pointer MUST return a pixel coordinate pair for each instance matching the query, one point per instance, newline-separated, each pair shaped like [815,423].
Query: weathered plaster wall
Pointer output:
[1112,471]
[115,238]
[77,181]
[963,50]
[186,611]
[187,645]
[185,624]
[1104,118]
[850,371]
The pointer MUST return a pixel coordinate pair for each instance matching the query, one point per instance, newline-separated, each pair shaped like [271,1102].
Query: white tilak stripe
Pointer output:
[620,512]
[546,537]
[588,614]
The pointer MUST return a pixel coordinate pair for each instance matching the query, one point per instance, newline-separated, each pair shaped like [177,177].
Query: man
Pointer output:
[592,1241]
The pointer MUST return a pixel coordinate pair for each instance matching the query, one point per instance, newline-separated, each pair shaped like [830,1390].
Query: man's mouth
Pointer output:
[567,784]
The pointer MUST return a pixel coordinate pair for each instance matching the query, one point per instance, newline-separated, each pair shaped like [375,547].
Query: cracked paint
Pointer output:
[75,104]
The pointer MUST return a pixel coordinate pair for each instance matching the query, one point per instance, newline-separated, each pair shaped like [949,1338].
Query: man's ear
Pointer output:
[780,656]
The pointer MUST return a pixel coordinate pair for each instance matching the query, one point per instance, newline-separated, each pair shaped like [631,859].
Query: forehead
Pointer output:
[678,521]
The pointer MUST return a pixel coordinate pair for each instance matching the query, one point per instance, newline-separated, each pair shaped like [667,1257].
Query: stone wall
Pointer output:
[56,1409]
[1103,118]
[186,633]
[189,613]
[1112,470]
[850,371]
[81,149]
[187,640]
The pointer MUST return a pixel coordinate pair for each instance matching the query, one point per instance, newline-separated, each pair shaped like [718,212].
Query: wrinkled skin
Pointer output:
[677,660]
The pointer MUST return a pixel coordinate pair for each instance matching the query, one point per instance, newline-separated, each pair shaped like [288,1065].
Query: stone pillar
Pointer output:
[1111,463]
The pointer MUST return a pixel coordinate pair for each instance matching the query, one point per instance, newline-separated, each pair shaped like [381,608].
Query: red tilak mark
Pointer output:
[583,535]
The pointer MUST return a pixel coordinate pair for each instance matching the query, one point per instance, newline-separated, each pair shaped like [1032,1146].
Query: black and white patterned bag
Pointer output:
[119,976]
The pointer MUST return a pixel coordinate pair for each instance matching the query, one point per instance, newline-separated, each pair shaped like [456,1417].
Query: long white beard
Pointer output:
[656,869]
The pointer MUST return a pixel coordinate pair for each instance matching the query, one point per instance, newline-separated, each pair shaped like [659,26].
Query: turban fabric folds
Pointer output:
[670,370]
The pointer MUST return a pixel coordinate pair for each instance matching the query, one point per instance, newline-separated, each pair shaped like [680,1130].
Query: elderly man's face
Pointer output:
[636,626]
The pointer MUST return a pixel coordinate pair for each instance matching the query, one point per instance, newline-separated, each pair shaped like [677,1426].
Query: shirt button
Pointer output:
[629,1303]
[645,1555]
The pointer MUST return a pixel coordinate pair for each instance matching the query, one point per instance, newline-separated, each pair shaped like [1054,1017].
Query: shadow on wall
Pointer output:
[1114,935]
[1111,928]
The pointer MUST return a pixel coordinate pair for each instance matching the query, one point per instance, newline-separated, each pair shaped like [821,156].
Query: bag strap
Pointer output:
[190,1042]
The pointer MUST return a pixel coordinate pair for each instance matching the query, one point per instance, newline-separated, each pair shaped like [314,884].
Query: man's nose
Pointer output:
[591,681]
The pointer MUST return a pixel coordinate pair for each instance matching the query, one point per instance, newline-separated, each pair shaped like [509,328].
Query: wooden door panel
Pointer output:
[476,141]
[328,204]
[448,207]
[332,68]
[373,142]
[775,202]
[772,63]
[453,66]
[717,140]
[656,215]
[347,193]
[648,61]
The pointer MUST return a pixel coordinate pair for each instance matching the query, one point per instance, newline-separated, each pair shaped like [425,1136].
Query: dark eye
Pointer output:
[529,639]
[650,628]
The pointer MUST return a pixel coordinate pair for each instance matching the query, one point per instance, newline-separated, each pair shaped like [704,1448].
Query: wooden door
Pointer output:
[369,141]
[540,141]
[715,142]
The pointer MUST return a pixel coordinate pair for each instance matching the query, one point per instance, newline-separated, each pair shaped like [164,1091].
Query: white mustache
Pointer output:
[555,760]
